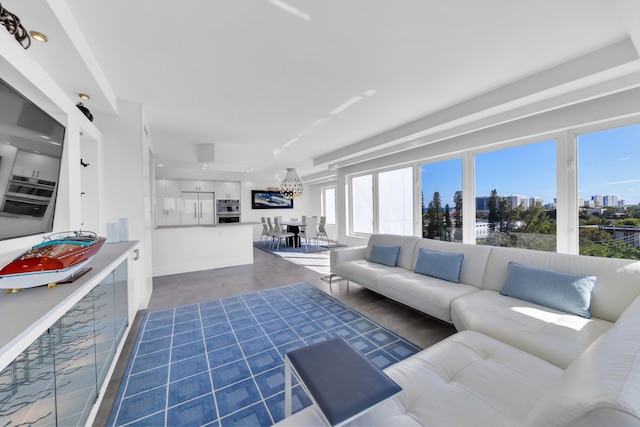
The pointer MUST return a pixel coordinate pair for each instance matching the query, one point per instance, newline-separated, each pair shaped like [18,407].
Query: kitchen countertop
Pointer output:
[230,224]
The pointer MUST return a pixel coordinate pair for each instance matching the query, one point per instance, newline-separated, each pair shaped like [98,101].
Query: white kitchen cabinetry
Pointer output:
[227,190]
[168,202]
[37,166]
[197,208]
[206,186]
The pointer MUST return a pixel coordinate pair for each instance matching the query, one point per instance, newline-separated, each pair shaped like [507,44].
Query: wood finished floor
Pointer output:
[269,271]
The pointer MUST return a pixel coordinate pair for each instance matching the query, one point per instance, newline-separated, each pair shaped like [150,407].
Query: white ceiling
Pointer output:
[275,84]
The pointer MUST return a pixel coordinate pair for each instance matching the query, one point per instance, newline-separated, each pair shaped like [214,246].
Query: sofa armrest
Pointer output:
[338,256]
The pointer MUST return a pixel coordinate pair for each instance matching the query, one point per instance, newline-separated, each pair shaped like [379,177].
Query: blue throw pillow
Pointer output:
[384,254]
[566,292]
[443,265]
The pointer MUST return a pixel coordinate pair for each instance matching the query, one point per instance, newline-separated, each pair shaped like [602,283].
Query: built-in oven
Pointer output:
[28,196]
[228,219]
[25,206]
[19,185]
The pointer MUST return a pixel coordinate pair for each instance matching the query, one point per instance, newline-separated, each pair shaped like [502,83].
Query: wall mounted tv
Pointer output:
[31,144]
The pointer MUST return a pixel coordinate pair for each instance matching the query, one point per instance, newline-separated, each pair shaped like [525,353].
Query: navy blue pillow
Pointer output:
[384,254]
[443,265]
[566,292]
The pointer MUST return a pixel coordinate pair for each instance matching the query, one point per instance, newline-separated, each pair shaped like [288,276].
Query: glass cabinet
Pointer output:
[56,380]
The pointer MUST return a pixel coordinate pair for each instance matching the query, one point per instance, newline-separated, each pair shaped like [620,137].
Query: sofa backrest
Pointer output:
[617,284]
[602,386]
[406,243]
[473,263]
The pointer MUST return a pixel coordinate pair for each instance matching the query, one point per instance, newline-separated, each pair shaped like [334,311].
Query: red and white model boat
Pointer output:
[57,258]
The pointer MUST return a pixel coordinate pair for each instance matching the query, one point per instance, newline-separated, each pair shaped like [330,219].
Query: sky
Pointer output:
[608,163]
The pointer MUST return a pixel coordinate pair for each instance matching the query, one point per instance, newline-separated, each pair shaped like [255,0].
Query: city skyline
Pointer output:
[608,164]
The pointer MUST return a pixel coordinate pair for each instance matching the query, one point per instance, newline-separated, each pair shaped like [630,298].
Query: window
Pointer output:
[609,192]
[442,200]
[362,204]
[516,197]
[329,204]
[395,202]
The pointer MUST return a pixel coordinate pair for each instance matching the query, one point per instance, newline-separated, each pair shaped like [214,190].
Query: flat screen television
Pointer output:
[31,143]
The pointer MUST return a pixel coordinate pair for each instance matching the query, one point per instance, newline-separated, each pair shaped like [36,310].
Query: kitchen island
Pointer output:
[182,249]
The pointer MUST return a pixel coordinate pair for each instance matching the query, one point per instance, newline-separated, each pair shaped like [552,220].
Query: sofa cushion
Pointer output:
[364,273]
[384,254]
[427,294]
[602,387]
[566,292]
[467,379]
[474,263]
[552,335]
[616,287]
[443,265]
[406,243]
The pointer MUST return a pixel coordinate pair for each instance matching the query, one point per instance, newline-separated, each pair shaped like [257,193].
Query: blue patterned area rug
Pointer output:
[221,362]
[286,250]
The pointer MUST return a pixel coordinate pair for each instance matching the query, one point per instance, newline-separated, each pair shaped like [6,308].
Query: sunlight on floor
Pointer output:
[318,262]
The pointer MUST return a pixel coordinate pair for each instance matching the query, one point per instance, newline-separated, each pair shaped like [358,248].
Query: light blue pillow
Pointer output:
[566,292]
[384,254]
[443,265]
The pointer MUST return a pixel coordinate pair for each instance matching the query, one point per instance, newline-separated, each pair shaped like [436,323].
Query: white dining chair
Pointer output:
[271,230]
[279,234]
[265,230]
[321,229]
[310,233]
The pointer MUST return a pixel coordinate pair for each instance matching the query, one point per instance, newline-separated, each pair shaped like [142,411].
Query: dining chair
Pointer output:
[279,234]
[310,233]
[321,229]
[265,230]
[271,230]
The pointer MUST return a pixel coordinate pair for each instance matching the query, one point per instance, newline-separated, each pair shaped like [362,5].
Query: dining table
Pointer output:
[293,227]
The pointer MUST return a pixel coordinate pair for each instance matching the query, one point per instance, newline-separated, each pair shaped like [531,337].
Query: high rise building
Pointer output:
[598,200]
[610,200]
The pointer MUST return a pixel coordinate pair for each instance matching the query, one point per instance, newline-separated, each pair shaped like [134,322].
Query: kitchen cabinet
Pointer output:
[202,185]
[197,208]
[168,202]
[227,190]
[37,166]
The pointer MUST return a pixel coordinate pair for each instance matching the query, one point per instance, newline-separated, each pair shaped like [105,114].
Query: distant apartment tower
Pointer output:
[621,203]
[535,201]
[598,199]
[610,201]
[482,202]
[581,202]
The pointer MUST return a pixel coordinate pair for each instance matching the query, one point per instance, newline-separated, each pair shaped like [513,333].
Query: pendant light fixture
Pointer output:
[291,187]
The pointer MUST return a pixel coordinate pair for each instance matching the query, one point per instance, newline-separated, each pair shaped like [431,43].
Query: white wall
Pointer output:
[127,185]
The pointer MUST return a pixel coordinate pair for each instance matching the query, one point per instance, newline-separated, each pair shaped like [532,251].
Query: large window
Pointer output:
[395,202]
[329,204]
[362,204]
[442,200]
[516,197]
[609,192]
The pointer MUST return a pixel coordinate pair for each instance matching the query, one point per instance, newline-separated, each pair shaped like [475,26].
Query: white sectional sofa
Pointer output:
[513,362]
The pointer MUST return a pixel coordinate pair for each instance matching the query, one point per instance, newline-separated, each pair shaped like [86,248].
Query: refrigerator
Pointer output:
[198,208]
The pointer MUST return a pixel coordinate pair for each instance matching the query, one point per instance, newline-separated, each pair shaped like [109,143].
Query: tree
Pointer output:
[457,199]
[493,210]
[447,222]
[435,225]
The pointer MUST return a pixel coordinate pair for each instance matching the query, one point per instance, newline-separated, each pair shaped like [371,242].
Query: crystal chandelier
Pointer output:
[291,187]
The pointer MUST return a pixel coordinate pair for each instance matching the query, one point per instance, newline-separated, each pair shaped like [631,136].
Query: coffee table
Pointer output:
[340,380]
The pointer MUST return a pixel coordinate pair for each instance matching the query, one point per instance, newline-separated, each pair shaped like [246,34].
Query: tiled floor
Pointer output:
[266,272]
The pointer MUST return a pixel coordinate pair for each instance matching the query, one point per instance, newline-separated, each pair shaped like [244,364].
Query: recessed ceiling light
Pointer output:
[84,96]
[160,164]
[39,37]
